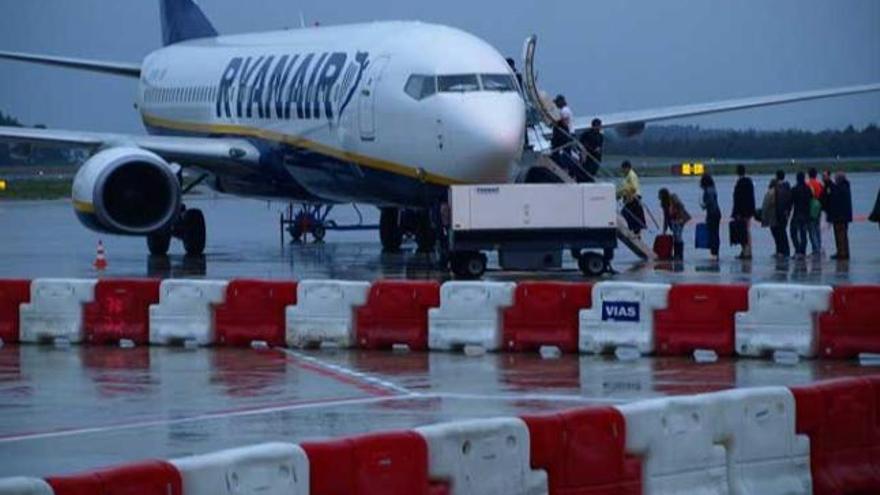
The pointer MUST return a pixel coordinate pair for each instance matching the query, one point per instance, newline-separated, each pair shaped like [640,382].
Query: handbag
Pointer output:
[701,236]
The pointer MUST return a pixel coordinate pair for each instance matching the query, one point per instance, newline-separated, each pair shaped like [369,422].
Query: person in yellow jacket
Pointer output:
[630,193]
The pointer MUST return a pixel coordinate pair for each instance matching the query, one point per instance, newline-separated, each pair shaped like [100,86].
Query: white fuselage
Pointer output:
[391,103]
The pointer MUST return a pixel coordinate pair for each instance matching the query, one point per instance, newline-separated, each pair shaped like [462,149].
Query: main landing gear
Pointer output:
[395,225]
[189,228]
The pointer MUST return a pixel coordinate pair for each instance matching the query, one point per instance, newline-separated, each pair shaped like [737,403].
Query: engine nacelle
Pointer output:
[126,190]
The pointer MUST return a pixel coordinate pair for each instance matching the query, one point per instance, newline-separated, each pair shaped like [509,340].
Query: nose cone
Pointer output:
[489,134]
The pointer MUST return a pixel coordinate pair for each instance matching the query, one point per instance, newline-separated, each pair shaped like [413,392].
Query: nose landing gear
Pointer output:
[396,225]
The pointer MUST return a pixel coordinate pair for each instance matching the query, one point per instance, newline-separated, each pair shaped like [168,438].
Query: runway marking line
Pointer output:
[364,381]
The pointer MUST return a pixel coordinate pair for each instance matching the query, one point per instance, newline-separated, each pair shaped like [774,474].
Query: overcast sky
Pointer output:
[608,55]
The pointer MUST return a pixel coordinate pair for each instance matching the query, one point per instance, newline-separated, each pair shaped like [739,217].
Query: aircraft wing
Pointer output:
[633,122]
[219,155]
[115,68]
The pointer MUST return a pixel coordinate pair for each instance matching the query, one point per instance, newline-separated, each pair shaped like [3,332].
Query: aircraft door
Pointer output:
[367,100]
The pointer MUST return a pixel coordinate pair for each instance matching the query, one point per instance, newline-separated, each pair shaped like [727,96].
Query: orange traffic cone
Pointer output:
[100,257]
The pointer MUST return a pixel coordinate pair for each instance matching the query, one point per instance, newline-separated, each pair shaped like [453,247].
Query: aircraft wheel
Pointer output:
[592,264]
[389,230]
[193,222]
[468,265]
[159,242]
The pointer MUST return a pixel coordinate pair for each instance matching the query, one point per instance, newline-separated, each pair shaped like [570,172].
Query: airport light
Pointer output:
[2,185]
[686,169]
[699,169]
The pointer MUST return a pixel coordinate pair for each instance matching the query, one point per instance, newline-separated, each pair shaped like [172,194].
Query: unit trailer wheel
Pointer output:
[592,264]
[468,265]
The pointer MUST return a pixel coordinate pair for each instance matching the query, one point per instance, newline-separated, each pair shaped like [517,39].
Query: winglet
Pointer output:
[183,20]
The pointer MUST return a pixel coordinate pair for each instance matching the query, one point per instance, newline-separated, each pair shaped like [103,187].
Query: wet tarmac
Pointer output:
[44,239]
[74,408]
[69,409]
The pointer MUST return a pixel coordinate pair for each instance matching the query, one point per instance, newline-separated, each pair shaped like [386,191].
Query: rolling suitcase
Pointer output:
[663,247]
[701,236]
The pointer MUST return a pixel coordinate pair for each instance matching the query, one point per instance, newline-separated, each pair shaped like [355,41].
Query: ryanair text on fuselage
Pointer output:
[292,86]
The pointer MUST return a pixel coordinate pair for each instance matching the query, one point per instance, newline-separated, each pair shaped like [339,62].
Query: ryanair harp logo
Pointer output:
[307,86]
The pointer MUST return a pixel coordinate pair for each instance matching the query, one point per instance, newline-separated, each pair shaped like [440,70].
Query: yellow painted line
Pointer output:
[83,207]
[246,131]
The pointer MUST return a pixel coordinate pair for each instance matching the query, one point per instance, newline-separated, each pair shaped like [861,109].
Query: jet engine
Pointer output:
[128,191]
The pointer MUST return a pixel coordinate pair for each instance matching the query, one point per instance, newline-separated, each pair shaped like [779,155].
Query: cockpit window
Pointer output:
[498,82]
[421,87]
[461,83]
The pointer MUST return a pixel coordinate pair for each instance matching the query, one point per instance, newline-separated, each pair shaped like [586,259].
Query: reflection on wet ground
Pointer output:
[65,409]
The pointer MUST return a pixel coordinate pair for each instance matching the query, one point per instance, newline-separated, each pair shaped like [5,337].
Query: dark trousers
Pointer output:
[780,237]
[841,239]
[799,236]
[713,225]
[634,215]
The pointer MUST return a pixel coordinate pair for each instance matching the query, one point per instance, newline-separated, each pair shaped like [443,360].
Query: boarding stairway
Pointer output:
[539,156]
[627,237]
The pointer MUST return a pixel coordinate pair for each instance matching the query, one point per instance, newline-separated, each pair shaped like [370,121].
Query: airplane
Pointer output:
[385,113]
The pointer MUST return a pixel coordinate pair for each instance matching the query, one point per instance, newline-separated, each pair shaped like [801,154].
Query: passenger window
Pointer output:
[458,83]
[421,87]
[498,82]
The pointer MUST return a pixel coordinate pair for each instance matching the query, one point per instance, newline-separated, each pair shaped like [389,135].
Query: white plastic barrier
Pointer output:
[24,486]
[324,312]
[186,311]
[781,317]
[469,314]
[266,469]
[679,441]
[622,315]
[764,453]
[55,310]
[483,457]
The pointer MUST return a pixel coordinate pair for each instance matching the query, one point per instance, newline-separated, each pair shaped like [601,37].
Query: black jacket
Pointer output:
[839,202]
[744,198]
[783,203]
[800,200]
[593,141]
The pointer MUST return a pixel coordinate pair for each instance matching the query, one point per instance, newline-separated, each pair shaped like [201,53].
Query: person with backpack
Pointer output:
[675,216]
[814,231]
[801,197]
[783,212]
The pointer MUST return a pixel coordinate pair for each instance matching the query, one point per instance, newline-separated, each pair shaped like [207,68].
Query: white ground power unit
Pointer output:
[530,225]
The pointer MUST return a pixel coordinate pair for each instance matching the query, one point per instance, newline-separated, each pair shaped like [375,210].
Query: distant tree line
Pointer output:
[692,141]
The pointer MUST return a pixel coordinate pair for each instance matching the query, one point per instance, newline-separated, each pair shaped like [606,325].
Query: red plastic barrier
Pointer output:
[545,313]
[584,452]
[397,313]
[121,310]
[12,294]
[254,310]
[699,317]
[841,419]
[142,478]
[389,463]
[853,324]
